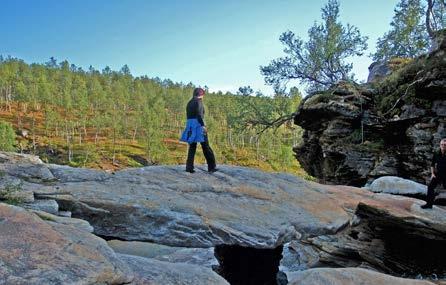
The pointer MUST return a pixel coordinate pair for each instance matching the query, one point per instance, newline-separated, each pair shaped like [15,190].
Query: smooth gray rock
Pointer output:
[397,185]
[198,256]
[77,223]
[7,158]
[66,214]
[31,172]
[151,271]
[49,206]
[235,205]
[24,166]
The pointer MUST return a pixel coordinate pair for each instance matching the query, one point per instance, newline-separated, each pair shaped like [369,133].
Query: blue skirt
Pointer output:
[193,132]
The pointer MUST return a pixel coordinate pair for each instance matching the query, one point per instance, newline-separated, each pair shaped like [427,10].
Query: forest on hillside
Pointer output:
[111,119]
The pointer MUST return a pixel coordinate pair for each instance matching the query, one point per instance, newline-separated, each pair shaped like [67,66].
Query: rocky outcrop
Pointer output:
[348,276]
[42,248]
[36,251]
[378,71]
[246,215]
[166,205]
[357,133]
[397,238]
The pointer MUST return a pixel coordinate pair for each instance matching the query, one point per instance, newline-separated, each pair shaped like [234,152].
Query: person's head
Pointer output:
[198,93]
[443,144]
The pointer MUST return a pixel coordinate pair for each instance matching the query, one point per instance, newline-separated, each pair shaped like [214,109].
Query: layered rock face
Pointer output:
[356,133]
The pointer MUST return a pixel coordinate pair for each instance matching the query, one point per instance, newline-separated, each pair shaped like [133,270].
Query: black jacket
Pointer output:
[439,162]
[195,110]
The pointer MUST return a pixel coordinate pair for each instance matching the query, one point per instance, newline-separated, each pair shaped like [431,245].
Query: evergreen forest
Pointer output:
[112,120]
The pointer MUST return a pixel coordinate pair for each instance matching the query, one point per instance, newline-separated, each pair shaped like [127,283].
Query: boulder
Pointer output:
[49,206]
[397,185]
[36,251]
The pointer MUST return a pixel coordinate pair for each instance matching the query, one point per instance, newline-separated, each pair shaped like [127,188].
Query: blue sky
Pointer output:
[220,44]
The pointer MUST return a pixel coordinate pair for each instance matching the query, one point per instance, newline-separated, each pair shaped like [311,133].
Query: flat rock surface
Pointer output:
[348,276]
[167,205]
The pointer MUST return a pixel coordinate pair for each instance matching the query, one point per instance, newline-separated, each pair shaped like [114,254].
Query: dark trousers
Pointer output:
[431,188]
[207,151]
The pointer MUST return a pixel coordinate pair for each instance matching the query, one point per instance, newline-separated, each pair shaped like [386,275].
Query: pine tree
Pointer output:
[321,61]
[7,137]
[408,36]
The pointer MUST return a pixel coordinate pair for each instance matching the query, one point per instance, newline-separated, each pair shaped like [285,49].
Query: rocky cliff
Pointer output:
[356,133]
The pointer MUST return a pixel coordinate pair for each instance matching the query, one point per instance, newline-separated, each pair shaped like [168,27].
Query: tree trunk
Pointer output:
[85,128]
[19,118]
[9,99]
[134,133]
[429,12]
[68,139]
[114,145]
[33,130]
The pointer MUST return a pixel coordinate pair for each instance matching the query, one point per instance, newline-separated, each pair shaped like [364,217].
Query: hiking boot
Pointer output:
[213,170]
[190,170]
[426,206]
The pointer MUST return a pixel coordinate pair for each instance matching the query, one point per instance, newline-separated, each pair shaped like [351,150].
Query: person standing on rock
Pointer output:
[196,132]
[438,174]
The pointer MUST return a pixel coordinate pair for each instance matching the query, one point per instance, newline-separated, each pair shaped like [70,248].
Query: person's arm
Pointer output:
[200,113]
[433,165]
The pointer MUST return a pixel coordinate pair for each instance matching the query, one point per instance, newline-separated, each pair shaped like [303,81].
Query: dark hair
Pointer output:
[198,92]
